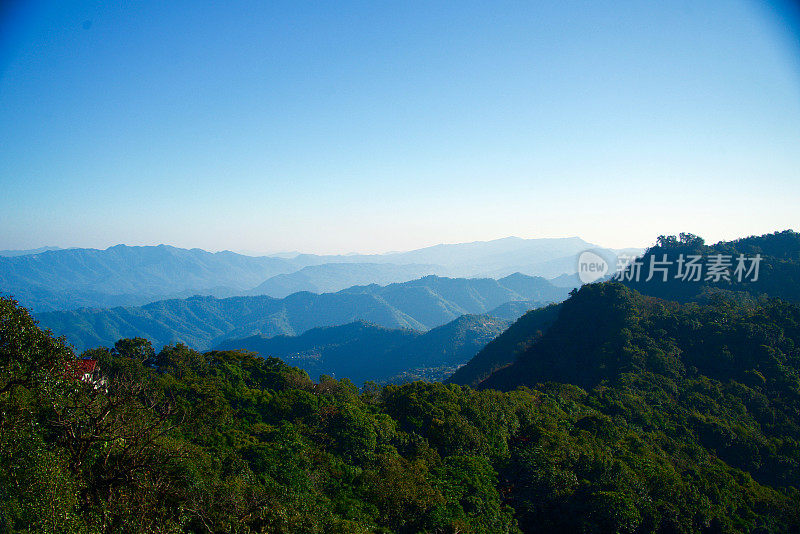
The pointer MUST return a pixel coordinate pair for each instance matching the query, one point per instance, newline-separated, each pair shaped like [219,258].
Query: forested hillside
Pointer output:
[776,274]
[724,373]
[179,441]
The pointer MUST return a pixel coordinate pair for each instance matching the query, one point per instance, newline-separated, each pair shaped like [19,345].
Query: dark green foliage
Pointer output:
[779,270]
[686,422]
[27,354]
[715,386]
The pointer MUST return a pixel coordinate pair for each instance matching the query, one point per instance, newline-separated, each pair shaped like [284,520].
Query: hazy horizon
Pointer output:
[247,252]
[372,128]
[290,253]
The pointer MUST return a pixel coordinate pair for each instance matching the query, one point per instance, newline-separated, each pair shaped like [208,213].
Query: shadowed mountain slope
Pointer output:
[504,349]
[361,351]
[725,374]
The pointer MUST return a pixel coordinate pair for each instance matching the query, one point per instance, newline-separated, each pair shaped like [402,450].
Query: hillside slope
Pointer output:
[715,384]
[504,350]
[727,372]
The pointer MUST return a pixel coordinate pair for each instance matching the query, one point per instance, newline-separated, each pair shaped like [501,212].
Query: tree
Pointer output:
[27,354]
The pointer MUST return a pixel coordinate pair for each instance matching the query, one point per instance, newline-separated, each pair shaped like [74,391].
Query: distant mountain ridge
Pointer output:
[548,257]
[131,276]
[331,277]
[26,252]
[203,322]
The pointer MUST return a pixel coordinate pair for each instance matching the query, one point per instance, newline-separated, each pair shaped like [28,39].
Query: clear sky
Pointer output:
[374,126]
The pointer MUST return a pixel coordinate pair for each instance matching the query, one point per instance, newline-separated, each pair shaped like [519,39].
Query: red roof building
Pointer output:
[85,370]
[80,369]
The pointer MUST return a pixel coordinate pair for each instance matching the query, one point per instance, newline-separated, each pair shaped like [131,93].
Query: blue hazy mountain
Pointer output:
[26,252]
[72,278]
[68,279]
[362,351]
[202,322]
[330,277]
[566,280]
[497,258]
[511,311]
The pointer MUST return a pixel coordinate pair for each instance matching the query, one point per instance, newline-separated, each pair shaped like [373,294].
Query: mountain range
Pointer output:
[67,279]
[667,407]
[204,322]
[122,275]
[26,252]
[331,277]
[497,258]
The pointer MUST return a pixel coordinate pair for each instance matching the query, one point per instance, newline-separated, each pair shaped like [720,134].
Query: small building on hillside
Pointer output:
[85,370]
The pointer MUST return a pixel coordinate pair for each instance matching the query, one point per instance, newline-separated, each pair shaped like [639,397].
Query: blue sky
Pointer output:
[375,126]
